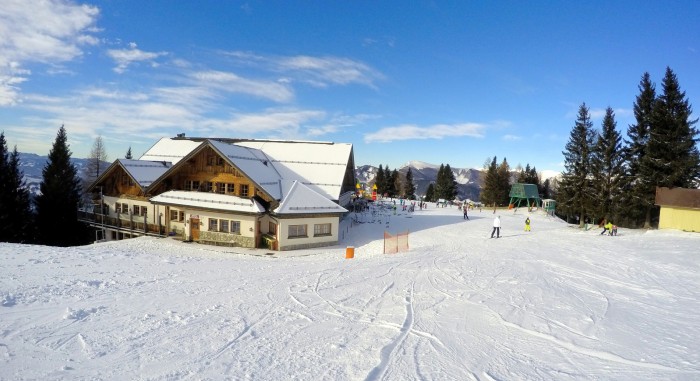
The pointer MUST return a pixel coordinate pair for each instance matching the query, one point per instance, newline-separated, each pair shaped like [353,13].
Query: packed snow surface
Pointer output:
[558,303]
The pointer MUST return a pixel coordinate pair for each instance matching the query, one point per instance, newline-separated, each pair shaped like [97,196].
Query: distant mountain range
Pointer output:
[469,180]
[32,166]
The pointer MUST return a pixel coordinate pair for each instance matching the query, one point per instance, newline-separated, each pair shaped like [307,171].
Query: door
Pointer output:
[194,229]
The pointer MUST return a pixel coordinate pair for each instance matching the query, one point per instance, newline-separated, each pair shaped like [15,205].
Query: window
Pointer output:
[322,229]
[208,186]
[243,190]
[220,188]
[223,226]
[140,210]
[236,227]
[230,188]
[191,185]
[121,208]
[219,160]
[211,160]
[272,228]
[297,231]
[213,224]
[181,216]
[176,215]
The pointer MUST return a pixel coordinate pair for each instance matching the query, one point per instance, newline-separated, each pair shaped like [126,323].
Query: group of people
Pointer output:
[497,226]
[610,228]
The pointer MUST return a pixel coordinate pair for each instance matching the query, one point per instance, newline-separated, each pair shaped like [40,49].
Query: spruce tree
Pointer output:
[503,187]
[575,195]
[607,167]
[672,153]
[128,154]
[5,203]
[430,193]
[379,181]
[57,205]
[637,194]
[409,187]
[489,192]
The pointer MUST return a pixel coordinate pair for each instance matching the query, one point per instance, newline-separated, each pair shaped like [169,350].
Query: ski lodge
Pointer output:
[279,195]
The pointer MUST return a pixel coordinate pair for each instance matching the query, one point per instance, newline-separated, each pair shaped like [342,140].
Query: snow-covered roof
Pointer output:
[319,165]
[144,172]
[213,201]
[254,163]
[300,199]
[170,149]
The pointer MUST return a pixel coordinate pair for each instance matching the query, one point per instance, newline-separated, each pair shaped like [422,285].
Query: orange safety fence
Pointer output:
[395,243]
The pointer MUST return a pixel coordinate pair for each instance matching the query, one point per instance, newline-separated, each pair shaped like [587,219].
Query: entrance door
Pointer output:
[194,229]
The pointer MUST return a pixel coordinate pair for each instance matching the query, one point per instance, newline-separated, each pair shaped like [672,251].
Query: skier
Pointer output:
[607,228]
[496,227]
[614,230]
[465,207]
[527,224]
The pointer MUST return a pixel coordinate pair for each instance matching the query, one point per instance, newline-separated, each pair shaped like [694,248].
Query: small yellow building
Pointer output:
[680,208]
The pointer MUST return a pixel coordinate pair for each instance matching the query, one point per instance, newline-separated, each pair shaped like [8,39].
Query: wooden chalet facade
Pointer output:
[279,195]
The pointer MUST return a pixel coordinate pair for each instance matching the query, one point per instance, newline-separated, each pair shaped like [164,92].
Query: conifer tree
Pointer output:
[430,193]
[128,154]
[607,167]
[409,187]
[393,183]
[671,157]
[57,205]
[503,187]
[445,184]
[637,195]
[575,196]
[489,192]
[379,181]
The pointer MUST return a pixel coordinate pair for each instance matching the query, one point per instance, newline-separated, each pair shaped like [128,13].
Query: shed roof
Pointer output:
[678,197]
[211,201]
[300,199]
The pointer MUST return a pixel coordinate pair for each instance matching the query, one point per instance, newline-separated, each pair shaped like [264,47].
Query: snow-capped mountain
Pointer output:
[469,180]
[32,165]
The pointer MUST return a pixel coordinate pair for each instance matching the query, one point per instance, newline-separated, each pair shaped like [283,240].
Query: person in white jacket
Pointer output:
[496,227]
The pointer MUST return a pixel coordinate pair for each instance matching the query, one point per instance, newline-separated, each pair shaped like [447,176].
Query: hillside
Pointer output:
[554,304]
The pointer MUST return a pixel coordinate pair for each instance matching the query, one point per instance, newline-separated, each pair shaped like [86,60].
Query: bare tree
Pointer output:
[96,161]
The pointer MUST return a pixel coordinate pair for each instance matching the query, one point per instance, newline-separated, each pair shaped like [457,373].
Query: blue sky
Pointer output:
[437,81]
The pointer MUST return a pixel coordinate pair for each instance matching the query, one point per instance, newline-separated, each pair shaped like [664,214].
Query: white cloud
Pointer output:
[413,132]
[229,82]
[316,71]
[270,122]
[47,31]
[126,57]
[511,137]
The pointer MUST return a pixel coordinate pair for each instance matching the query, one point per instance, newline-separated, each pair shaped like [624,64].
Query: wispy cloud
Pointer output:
[126,57]
[47,32]
[316,71]
[413,132]
[270,122]
[511,137]
[230,82]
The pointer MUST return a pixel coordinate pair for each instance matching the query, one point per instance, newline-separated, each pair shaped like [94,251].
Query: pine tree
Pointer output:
[503,187]
[128,154]
[430,193]
[638,195]
[489,194]
[409,187]
[57,205]
[607,167]
[379,181]
[394,183]
[445,183]
[671,158]
[575,195]
[5,203]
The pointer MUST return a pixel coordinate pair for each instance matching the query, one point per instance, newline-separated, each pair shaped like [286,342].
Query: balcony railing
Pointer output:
[131,225]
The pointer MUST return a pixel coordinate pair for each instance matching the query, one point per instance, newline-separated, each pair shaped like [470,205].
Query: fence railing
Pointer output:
[131,225]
